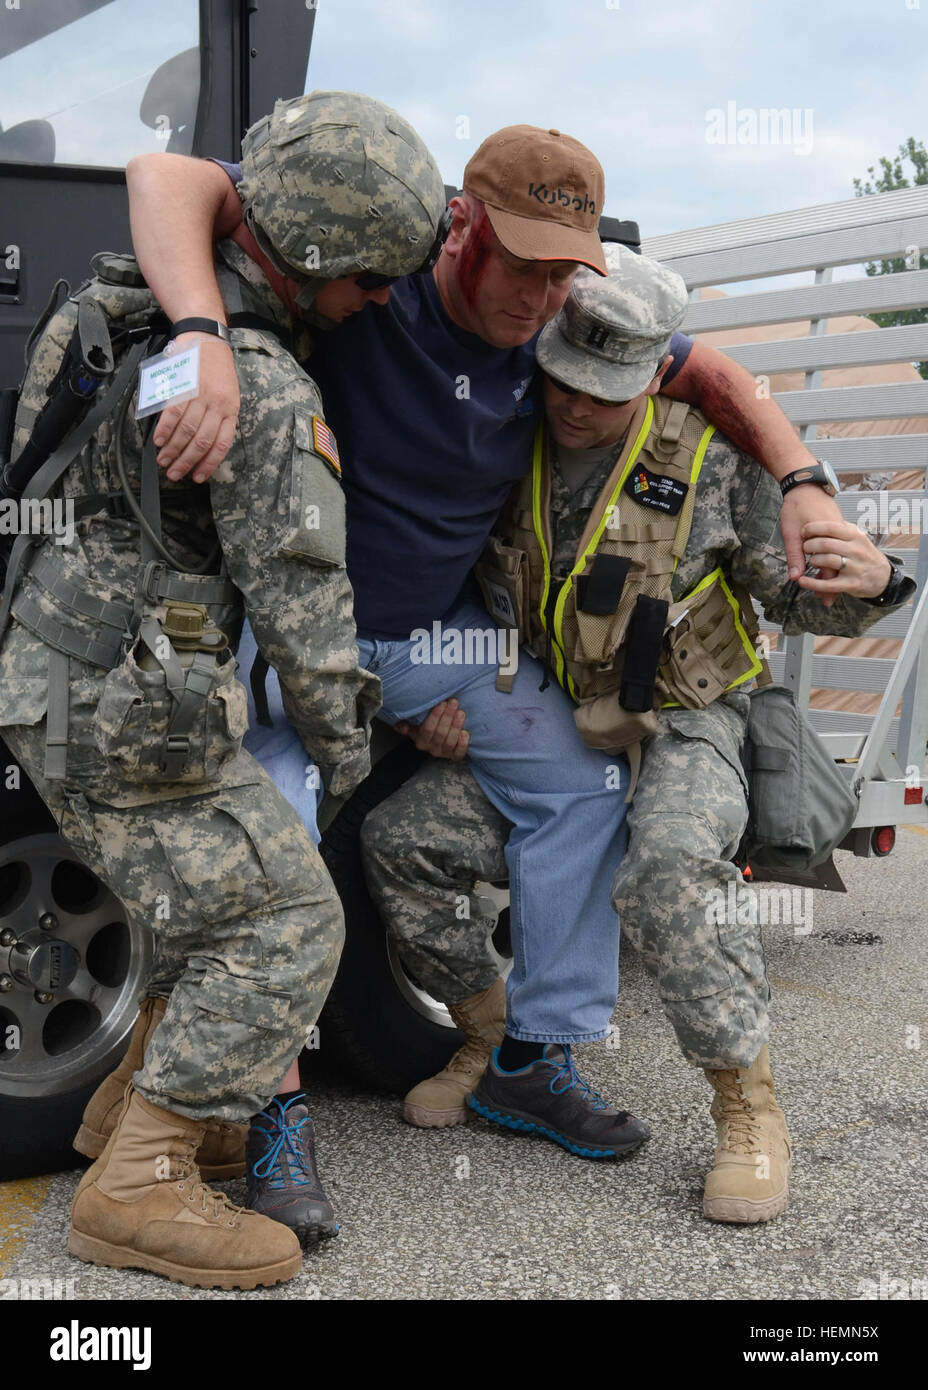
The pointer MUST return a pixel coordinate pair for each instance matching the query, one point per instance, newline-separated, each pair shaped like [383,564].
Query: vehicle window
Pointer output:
[93,82]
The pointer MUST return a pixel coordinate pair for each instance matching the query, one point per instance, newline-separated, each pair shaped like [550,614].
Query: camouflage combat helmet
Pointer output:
[336,182]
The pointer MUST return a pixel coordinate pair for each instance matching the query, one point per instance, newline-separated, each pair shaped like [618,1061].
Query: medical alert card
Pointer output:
[167,379]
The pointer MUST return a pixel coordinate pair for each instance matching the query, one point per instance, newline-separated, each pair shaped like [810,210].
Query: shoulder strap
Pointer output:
[54,468]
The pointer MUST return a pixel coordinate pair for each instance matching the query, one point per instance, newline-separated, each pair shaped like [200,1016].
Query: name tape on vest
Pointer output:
[656,490]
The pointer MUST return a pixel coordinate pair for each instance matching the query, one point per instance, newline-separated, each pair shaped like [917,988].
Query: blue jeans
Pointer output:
[566,803]
[279,748]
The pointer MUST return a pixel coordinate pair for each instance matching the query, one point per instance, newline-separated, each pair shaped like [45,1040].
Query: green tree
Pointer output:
[892,175]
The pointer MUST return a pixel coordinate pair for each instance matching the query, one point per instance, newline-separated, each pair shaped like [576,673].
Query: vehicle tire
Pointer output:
[377,1025]
[53,1055]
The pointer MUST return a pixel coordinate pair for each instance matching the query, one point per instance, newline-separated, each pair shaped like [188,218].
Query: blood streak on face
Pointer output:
[473,257]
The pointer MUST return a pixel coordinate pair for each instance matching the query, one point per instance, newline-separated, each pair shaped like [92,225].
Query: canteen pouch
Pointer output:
[501,574]
[800,806]
[160,721]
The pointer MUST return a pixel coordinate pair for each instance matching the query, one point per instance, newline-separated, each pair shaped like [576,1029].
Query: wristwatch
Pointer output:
[820,473]
[899,588]
[213,326]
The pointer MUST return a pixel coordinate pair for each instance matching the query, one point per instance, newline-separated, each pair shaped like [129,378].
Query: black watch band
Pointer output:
[820,473]
[213,326]
[898,589]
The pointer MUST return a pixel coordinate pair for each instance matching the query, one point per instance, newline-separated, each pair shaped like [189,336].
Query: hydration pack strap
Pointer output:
[54,468]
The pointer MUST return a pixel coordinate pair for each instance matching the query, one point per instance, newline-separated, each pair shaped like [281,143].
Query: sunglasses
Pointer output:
[372,280]
[573,391]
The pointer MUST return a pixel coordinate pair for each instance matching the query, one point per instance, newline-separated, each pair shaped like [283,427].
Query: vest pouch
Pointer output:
[178,722]
[501,574]
[704,652]
[593,637]
[602,723]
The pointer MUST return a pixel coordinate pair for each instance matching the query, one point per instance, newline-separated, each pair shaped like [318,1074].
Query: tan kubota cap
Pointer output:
[543,193]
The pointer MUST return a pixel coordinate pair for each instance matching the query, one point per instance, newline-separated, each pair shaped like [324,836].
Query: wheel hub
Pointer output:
[44,965]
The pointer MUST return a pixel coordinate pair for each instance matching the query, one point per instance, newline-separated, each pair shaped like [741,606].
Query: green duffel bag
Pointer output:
[800,806]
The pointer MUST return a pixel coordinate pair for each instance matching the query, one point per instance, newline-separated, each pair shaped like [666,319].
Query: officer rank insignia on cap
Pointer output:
[325,445]
[656,490]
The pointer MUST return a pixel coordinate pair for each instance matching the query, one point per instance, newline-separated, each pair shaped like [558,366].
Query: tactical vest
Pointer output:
[611,632]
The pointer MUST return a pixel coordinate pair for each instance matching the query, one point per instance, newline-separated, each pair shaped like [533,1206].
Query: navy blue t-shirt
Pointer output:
[434,426]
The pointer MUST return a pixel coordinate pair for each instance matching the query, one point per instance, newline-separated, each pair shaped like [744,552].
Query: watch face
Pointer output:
[830,474]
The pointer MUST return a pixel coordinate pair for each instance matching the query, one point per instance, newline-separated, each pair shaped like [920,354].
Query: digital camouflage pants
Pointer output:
[247,922]
[428,844]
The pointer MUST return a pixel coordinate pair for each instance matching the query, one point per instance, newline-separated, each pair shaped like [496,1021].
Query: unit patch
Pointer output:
[656,490]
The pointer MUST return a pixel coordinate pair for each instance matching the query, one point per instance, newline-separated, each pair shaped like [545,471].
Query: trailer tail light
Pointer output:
[913,796]
[883,839]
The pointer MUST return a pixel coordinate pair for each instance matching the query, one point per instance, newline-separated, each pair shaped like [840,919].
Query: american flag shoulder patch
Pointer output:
[325,445]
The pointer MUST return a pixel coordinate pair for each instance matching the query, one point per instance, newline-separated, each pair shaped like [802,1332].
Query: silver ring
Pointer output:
[843,559]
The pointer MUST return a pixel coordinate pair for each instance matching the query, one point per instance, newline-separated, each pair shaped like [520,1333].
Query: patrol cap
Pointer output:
[336,182]
[543,193]
[611,334]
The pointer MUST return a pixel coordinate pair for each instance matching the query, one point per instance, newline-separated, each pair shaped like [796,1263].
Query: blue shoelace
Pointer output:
[568,1073]
[282,1138]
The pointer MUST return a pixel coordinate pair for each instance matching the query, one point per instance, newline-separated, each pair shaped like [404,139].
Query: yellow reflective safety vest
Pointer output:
[611,632]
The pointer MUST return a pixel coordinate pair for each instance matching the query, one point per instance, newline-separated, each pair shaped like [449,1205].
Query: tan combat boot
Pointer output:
[442,1099]
[221,1155]
[750,1180]
[143,1205]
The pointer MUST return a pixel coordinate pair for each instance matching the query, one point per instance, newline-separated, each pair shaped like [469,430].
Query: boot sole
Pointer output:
[423,1118]
[524,1125]
[742,1211]
[308,1236]
[100,1252]
[91,1144]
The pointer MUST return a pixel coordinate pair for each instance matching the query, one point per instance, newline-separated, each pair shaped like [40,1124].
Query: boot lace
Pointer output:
[285,1144]
[567,1077]
[215,1206]
[743,1129]
[471,1058]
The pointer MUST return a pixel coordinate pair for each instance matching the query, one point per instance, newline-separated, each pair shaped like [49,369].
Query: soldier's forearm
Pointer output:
[177,206]
[727,395]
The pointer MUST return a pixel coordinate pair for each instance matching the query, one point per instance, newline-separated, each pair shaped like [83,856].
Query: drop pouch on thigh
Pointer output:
[800,805]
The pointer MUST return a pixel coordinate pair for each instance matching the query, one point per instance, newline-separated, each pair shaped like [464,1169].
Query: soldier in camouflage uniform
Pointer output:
[216,863]
[427,845]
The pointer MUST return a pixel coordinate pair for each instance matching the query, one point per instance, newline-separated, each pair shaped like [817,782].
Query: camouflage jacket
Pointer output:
[275,506]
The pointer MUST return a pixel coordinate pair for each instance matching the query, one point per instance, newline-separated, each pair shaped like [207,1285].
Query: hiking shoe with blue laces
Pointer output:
[282,1180]
[550,1098]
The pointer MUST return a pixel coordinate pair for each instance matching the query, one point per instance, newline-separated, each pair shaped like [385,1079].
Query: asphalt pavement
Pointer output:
[479,1213]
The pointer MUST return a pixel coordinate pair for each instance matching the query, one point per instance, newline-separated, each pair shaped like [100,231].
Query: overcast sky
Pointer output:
[634,79]
[663,92]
